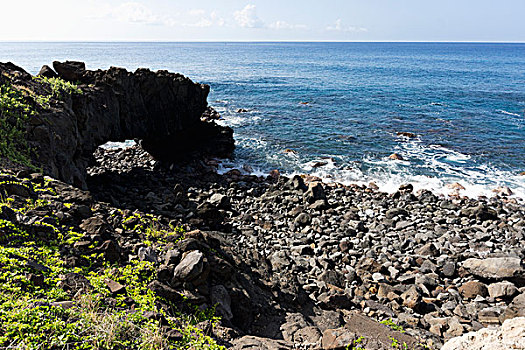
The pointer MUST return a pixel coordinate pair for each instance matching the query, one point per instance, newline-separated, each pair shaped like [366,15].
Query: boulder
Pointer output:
[472,289]
[70,70]
[502,290]
[114,287]
[47,72]
[249,342]
[220,201]
[516,308]
[511,335]
[315,192]
[495,268]
[190,267]
[337,339]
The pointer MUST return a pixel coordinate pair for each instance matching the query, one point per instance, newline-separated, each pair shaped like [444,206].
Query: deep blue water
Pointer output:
[466,103]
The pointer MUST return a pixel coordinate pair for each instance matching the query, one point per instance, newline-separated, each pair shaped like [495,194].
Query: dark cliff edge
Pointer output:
[161,109]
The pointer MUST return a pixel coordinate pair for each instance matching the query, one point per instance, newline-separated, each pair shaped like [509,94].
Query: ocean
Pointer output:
[335,110]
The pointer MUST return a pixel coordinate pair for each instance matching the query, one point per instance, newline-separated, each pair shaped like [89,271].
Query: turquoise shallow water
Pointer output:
[465,103]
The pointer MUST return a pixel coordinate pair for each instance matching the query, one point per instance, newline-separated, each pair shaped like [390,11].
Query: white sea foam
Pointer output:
[510,113]
[116,145]
[446,166]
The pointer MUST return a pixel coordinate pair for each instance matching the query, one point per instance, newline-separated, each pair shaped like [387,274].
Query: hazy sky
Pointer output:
[176,20]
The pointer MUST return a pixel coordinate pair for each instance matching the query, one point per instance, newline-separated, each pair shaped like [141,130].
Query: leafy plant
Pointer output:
[392,325]
[59,86]
[15,110]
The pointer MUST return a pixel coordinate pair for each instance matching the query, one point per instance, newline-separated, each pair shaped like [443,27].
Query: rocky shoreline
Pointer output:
[286,263]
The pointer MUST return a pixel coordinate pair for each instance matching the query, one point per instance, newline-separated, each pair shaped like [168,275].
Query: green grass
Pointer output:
[28,321]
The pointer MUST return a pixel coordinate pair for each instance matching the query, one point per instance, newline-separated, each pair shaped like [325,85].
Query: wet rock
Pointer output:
[406,134]
[503,191]
[396,156]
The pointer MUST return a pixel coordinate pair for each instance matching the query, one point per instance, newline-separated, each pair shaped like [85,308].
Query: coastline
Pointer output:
[179,255]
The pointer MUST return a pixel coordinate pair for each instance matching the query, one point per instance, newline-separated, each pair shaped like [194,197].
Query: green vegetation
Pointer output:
[392,325]
[17,105]
[58,88]
[149,226]
[15,110]
[356,344]
[37,311]
[396,345]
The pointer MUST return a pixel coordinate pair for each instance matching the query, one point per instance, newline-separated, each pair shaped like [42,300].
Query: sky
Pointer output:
[263,20]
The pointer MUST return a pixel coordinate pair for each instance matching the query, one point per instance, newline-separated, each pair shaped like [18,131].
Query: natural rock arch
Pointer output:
[161,109]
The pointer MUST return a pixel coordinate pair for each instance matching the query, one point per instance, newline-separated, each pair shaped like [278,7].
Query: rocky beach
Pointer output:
[151,243]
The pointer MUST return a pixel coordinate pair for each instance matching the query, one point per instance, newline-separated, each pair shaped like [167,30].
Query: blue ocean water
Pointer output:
[344,103]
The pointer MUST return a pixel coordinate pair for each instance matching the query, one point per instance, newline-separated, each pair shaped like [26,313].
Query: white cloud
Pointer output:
[204,20]
[339,27]
[217,19]
[197,12]
[286,26]
[247,17]
[135,12]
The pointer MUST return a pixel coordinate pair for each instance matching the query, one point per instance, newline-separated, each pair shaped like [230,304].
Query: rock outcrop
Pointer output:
[163,110]
[511,335]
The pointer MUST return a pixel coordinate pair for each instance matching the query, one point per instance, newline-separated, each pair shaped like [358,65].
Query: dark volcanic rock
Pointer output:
[160,108]
[47,72]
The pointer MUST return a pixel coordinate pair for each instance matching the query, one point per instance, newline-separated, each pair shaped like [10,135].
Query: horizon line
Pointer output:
[266,41]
